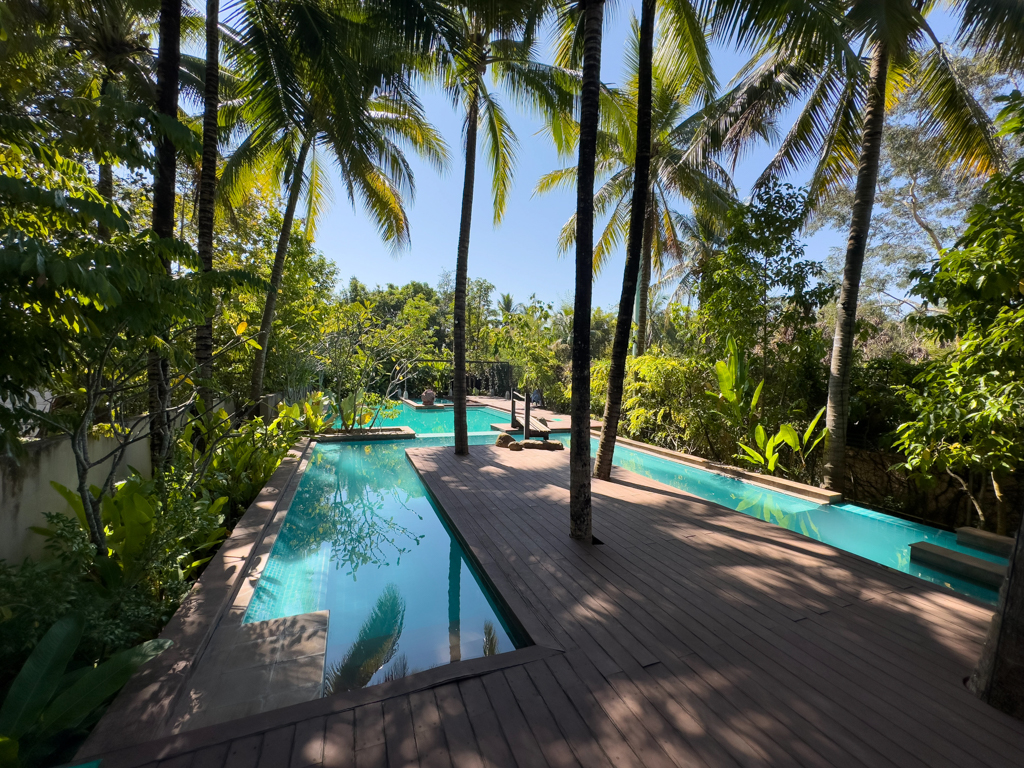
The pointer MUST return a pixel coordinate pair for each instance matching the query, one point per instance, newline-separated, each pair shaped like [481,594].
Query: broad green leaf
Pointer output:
[754,455]
[241,329]
[75,704]
[757,396]
[39,677]
[760,436]
[789,435]
[810,427]
[74,501]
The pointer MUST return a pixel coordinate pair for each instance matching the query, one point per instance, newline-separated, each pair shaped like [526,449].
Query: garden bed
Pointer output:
[362,435]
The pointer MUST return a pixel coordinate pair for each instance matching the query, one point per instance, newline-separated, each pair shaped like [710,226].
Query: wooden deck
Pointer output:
[692,636]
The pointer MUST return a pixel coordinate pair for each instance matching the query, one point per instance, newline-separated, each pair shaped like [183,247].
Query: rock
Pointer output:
[544,445]
[504,440]
[514,446]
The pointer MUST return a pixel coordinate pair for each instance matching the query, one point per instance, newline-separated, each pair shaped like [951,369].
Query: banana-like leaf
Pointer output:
[38,679]
[757,396]
[756,457]
[760,436]
[789,436]
[75,704]
[810,427]
[74,501]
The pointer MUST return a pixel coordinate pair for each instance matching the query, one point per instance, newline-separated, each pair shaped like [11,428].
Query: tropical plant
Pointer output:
[321,79]
[767,453]
[499,37]
[845,60]
[46,701]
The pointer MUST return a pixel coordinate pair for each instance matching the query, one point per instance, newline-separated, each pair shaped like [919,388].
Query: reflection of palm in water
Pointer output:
[490,640]
[375,646]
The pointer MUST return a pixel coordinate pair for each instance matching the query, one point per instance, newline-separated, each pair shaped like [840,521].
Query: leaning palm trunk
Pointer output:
[846,314]
[259,364]
[461,277]
[168,63]
[579,451]
[999,677]
[208,188]
[638,225]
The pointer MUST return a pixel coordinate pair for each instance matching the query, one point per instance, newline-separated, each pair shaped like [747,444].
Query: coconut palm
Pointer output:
[323,82]
[208,180]
[582,26]
[496,39]
[845,62]
[640,185]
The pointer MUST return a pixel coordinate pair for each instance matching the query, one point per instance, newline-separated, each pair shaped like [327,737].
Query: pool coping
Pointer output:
[368,435]
[780,484]
[144,709]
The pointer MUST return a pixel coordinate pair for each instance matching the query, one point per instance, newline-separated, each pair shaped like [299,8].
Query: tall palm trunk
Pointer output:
[461,277]
[846,314]
[105,177]
[580,522]
[259,364]
[999,677]
[167,65]
[643,292]
[208,187]
[638,219]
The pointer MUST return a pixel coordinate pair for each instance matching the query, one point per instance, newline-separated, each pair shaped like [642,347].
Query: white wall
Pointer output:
[26,493]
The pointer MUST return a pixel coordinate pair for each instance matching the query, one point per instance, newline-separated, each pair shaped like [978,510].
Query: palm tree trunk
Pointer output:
[167,65]
[999,677]
[208,189]
[644,290]
[846,315]
[580,522]
[461,277]
[638,219]
[259,364]
[105,177]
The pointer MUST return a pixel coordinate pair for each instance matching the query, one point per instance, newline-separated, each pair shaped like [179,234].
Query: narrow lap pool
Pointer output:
[363,540]
[873,535]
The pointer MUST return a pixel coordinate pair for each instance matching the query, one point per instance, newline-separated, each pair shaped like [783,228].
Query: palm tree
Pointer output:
[165,168]
[320,80]
[844,60]
[208,183]
[645,174]
[499,36]
[587,20]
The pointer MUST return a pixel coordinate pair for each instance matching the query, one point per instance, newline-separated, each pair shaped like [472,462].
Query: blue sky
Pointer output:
[520,256]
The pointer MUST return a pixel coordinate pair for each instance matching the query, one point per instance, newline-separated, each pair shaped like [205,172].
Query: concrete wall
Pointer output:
[26,493]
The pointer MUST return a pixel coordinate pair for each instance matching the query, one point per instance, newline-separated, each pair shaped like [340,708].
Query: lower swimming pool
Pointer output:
[363,540]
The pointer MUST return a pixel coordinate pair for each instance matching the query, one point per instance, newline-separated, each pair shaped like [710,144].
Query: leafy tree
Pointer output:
[319,79]
[844,60]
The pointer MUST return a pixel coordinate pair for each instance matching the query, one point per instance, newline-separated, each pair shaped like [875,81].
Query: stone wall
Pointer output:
[872,481]
[26,494]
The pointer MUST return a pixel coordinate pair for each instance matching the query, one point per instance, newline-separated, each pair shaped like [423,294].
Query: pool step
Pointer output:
[985,541]
[958,563]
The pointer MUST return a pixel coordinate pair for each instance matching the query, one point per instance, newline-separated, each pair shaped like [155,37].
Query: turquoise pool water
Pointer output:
[439,422]
[363,540]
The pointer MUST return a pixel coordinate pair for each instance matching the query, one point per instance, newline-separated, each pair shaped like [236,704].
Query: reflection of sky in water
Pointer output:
[362,540]
[873,535]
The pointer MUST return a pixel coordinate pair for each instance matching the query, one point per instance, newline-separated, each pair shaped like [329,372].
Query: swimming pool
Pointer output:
[363,540]
[873,535]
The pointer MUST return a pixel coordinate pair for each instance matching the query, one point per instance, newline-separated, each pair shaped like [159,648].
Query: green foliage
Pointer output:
[46,700]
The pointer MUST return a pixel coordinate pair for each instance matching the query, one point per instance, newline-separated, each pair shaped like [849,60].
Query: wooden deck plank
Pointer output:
[493,748]
[518,734]
[308,748]
[277,747]
[458,731]
[244,753]
[430,740]
[340,740]
[399,734]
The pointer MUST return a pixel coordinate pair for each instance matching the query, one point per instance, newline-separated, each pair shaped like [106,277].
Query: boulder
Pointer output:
[504,440]
[544,445]
[514,446]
